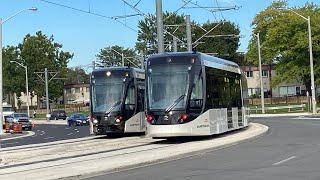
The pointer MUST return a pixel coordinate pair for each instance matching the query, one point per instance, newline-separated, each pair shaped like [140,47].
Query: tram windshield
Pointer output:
[107,93]
[168,86]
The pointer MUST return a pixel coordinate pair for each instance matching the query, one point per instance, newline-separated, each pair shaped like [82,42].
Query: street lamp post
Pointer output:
[1,82]
[260,73]
[313,91]
[27,85]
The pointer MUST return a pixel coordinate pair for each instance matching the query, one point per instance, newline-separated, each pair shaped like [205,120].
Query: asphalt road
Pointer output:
[48,133]
[290,151]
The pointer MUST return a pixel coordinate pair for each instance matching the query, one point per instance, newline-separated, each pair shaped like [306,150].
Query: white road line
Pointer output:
[306,118]
[69,134]
[48,137]
[78,131]
[10,143]
[283,161]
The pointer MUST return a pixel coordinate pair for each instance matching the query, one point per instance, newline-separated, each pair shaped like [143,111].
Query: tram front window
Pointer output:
[168,85]
[107,92]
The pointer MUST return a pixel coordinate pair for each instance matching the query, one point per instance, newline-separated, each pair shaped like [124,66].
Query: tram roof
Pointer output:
[125,68]
[207,60]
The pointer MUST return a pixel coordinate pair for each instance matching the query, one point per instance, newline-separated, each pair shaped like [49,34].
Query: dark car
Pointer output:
[78,120]
[58,114]
[21,118]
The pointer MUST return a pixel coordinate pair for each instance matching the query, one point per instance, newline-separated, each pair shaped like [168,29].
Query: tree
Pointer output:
[223,40]
[221,46]
[76,76]
[39,52]
[13,75]
[284,41]
[108,56]
[147,34]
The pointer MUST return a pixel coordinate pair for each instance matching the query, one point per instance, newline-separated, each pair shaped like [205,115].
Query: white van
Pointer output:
[7,110]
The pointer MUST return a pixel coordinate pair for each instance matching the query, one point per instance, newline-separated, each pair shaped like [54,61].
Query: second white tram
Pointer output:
[194,94]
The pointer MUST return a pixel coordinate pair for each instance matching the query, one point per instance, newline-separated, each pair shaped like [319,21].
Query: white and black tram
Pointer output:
[117,100]
[194,94]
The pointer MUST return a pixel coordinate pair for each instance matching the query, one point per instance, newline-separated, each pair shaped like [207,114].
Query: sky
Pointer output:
[85,34]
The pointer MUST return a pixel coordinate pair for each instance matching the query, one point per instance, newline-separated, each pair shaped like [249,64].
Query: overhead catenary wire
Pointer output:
[89,12]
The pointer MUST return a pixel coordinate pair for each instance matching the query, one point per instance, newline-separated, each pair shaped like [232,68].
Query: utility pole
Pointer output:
[122,59]
[46,81]
[260,72]
[27,84]
[189,36]
[160,26]
[175,44]
[47,91]
[1,83]
[93,65]
[313,89]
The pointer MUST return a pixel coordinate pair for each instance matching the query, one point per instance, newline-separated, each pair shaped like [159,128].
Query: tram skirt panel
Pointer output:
[235,119]
[135,123]
[218,121]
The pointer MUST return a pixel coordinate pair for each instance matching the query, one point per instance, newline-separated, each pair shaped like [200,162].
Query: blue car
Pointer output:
[78,120]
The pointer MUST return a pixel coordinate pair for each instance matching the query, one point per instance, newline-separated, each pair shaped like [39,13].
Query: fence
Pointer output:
[68,108]
[280,100]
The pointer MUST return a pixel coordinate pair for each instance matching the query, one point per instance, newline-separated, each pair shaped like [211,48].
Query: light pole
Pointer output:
[260,73]
[313,91]
[27,85]
[1,82]
[121,54]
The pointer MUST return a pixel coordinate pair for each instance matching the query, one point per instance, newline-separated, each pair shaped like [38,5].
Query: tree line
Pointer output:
[40,51]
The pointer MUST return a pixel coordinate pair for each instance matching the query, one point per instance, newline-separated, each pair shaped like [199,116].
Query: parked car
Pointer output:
[21,118]
[78,119]
[58,114]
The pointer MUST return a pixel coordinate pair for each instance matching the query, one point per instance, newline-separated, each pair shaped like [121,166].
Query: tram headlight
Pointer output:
[184,117]
[119,119]
[149,118]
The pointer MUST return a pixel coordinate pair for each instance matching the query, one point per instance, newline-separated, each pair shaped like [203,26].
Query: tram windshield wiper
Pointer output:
[175,103]
[113,106]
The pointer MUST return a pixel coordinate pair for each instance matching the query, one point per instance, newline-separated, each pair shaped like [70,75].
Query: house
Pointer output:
[268,71]
[76,94]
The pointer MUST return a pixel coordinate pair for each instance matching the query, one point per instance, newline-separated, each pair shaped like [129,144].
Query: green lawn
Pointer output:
[257,109]
[43,115]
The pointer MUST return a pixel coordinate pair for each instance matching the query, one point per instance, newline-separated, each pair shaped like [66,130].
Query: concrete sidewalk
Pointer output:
[149,152]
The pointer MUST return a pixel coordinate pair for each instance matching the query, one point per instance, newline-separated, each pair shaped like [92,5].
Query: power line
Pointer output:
[88,12]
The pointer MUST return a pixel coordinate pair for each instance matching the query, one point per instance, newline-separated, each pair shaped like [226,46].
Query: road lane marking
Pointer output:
[283,161]
[306,118]
[49,137]
[69,134]
[78,131]
[10,143]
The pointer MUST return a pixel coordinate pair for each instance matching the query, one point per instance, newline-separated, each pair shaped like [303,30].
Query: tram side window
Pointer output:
[130,100]
[196,100]
[215,88]
[222,90]
[140,101]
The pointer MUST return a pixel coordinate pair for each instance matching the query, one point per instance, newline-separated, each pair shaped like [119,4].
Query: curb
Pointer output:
[279,115]
[29,133]
[264,131]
